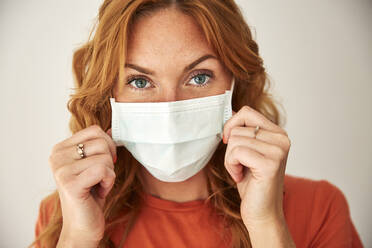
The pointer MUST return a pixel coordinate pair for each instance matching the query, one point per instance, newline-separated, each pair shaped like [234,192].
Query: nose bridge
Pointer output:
[169,93]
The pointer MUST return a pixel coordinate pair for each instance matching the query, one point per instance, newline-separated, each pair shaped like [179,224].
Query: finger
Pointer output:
[103,160]
[103,176]
[105,187]
[69,155]
[265,149]
[269,137]
[241,156]
[247,116]
[89,133]
[68,172]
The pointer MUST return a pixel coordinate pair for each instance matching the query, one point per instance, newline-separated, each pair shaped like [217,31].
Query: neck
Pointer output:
[194,188]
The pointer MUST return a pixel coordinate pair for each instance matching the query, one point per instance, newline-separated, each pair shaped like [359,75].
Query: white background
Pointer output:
[318,54]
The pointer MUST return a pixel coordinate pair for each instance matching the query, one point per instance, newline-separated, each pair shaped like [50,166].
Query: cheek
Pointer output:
[128,96]
[122,93]
[220,86]
[198,92]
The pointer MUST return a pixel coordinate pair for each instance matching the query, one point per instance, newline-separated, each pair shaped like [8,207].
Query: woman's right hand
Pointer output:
[83,183]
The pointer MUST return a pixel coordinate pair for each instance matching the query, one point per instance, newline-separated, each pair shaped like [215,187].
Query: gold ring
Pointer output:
[80,150]
[256,131]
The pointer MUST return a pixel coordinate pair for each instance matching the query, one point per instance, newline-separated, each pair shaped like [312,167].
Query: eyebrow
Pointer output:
[187,68]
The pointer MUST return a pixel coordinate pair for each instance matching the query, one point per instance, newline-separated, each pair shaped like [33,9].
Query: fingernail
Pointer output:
[115,158]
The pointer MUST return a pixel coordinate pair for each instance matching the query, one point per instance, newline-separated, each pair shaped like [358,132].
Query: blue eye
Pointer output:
[139,83]
[200,79]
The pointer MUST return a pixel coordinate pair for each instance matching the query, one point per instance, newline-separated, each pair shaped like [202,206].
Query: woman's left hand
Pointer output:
[257,165]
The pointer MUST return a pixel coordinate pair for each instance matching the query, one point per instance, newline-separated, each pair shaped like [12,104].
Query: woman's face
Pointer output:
[170,60]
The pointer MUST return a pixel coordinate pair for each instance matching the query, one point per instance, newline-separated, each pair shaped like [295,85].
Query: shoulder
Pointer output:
[315,192]
[317,212]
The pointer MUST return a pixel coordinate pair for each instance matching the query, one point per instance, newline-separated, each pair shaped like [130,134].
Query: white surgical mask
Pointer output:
[172,140]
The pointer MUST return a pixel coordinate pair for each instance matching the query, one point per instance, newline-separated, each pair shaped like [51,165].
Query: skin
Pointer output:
[166,43]
[256,164]
[168,53]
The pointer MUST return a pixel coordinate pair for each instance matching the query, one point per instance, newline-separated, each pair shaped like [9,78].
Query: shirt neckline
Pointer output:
[168,205]
[155,202]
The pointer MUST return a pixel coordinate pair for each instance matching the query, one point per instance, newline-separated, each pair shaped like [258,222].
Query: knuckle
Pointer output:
[246,108]
[285,141]
[102,144]
[278,151]
[56,158]
[289,142]
[236,150]
[96,128]
[97,171]
[106,160]
[55,148]
[52,159]
[100,170]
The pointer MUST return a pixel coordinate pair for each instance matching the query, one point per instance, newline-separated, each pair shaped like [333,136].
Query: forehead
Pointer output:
[167,34]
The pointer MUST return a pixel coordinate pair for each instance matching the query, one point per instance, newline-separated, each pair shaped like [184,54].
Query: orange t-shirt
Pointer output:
[316,212]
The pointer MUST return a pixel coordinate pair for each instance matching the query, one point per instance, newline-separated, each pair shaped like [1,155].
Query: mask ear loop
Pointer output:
[228,106]
[228,102]
[232,85]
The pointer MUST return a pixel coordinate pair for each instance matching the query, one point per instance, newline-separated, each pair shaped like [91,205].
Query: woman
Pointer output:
[124,181]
